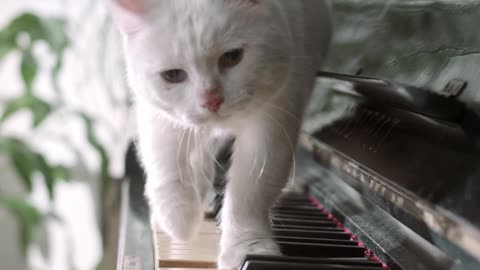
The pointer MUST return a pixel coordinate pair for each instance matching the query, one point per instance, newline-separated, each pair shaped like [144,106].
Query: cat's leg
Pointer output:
[262,159]
[174,189]
[202,161]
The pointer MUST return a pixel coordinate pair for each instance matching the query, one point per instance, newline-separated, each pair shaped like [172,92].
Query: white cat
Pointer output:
[205,70]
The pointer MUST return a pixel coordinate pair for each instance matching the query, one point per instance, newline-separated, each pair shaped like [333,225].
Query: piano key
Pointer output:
[200,252]
[320,250]
[267,265]
[188,268]
[307,228]
[217,209]
[299,222]
[297,208]
[312,234]
[364,261]
[316,213]
[300,228]
[315,240]
[186,264]
[302,217]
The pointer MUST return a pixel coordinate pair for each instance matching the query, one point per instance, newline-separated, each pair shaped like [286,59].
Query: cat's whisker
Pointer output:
[280,109]
[213,153]
[189,153]
[197,157]
[234,101]
[207,179]
[254,164]
[179,168]
[262,169]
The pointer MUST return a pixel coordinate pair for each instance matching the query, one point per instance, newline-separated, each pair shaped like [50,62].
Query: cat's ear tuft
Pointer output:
[128,15]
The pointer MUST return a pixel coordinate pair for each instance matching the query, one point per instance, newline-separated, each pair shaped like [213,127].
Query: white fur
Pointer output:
[285,42]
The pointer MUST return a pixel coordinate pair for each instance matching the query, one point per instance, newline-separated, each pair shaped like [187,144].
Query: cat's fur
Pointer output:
[284,42]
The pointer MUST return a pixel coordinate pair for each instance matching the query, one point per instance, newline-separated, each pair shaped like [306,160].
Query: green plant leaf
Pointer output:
[47,172]
[39,108]
[21,159]
[29,70]
[27,162]
[24,165]
[6,45]
[13,106]
[61,172]
[51,30]
[104,160]
[28,217]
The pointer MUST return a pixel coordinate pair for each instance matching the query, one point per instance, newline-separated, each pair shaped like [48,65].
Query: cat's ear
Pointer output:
[129,15]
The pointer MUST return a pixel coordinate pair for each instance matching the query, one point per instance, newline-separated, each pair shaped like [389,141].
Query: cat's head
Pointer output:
[202,61]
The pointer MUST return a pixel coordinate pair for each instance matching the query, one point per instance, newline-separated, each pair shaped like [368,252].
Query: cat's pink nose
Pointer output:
[213,104]
[213,100]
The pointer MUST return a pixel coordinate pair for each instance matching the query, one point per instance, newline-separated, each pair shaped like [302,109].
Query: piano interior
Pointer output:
[387,173]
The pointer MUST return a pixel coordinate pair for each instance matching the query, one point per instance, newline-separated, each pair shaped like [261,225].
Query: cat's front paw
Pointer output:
[176,210]
[231,257]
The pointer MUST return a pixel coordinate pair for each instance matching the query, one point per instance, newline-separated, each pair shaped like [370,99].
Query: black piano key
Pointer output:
[315,240]
[268,265]
[217,208]
[309,238]
[317,212]
[312,208]
[299,222]
[302,217]
[320,250]
[307,228]
[364,261]
[312,234]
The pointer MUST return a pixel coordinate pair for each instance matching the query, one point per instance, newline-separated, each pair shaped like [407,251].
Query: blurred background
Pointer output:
[64,109]
[64,128]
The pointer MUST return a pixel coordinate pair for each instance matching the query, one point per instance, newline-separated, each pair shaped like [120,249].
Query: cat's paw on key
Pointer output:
[176,210]
[232,257]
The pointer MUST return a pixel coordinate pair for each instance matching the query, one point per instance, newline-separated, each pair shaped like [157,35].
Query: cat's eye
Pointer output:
[174,75]
[231,58]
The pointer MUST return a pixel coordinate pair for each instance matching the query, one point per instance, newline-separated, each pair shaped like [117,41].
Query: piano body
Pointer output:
[391,181]
[388,173]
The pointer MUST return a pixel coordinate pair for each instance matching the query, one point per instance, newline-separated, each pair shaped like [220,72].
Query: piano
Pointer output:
[389,180]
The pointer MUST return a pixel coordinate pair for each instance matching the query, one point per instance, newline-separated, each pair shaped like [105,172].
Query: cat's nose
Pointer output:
[213,100]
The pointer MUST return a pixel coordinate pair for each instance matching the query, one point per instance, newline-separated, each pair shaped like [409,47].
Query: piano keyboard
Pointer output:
[199,253]
[309,237]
